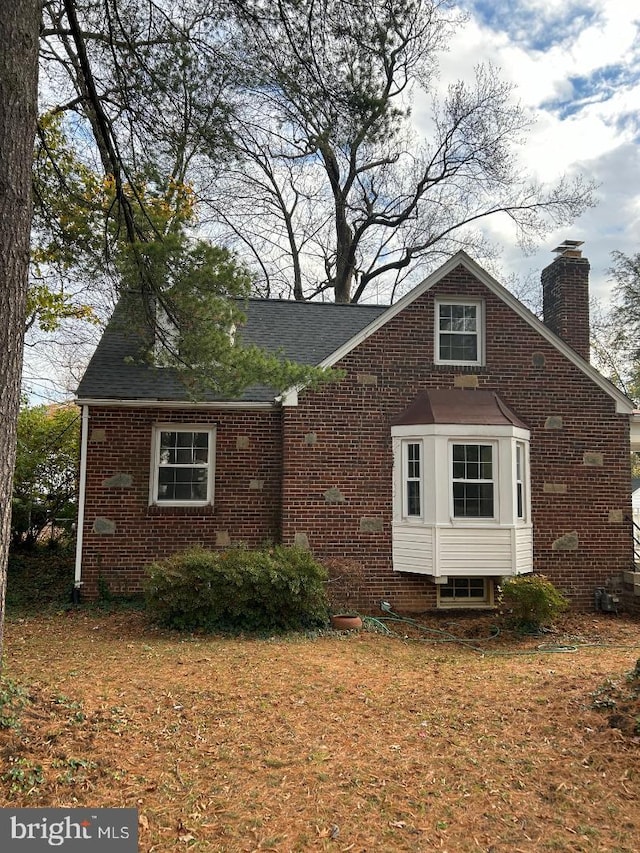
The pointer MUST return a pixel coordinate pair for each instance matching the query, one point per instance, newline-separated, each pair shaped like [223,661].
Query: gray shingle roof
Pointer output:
[305,332]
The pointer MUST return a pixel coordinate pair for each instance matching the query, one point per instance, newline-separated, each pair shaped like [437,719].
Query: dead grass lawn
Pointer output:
[357,742]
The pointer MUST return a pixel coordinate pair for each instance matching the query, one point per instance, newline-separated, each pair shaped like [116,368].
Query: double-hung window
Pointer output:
[472,478]
[412,498]
[519,485]
[458,333]
[183,465]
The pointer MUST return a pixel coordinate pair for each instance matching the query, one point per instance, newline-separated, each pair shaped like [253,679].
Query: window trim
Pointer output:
[478,304]
[495,481]
[158,429]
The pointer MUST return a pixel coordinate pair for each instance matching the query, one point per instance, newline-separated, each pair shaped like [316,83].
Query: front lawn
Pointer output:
[355,742]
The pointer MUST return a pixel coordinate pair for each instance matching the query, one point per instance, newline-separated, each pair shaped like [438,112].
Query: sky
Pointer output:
[576,66]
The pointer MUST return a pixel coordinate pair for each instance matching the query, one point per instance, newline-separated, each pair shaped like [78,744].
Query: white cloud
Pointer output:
[576,67]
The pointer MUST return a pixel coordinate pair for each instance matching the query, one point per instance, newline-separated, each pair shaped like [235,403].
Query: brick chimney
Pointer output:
[565,296]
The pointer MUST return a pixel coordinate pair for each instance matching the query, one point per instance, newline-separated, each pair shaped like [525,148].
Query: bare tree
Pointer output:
[19,28]
[331,189]
[615,330]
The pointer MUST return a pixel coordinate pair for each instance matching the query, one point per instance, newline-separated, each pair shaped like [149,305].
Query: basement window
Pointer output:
[465,592]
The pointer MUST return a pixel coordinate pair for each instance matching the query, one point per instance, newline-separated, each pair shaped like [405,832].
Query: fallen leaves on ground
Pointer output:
[339,742]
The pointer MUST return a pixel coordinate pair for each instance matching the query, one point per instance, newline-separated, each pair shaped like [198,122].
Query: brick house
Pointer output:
[467,441]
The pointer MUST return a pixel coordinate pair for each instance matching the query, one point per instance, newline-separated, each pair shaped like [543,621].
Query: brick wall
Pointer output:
[328,462]
[247,492]
[565,290]
[337,443]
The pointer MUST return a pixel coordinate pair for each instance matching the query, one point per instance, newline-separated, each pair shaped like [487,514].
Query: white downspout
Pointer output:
[82,488]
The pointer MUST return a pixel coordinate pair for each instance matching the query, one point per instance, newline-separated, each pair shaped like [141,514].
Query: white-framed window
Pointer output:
[465,592]
[412,491]
[472,481]
[183,458]
[458,334]
[519,484]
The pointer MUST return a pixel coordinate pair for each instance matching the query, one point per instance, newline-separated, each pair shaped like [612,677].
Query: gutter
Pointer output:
[150,403]
[82,489]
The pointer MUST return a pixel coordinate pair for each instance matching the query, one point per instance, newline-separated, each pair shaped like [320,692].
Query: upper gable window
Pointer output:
[459,332]
[183,465]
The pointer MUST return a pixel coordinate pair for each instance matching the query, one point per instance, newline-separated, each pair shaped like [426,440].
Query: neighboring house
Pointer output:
[467,442]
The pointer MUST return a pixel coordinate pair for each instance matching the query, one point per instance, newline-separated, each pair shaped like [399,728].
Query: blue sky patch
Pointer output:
[599,86]
[531,27]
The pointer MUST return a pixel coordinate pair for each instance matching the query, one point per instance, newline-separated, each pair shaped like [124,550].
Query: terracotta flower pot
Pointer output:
[346,623]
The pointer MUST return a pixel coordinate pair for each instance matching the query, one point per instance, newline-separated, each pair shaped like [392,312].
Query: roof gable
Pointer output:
[461,258]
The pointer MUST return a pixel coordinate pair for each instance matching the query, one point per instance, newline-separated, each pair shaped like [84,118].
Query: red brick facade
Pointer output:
[320,472]
[247,492]
[353,449]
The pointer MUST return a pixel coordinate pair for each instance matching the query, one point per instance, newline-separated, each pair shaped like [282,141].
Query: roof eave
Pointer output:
[149,403]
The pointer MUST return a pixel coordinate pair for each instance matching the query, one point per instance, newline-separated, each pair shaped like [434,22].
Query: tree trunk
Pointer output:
[19,34]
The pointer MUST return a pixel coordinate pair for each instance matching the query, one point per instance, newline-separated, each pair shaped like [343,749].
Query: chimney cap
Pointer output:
[570,248]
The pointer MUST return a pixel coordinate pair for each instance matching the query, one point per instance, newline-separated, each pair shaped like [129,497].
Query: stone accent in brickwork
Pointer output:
[566,542]
[593,459]
[553,422]
[122,481]
[144,532]
[555,488]
[301,540]
[104,526]
[371,525]
[359,455]
[334,496]
[466,380]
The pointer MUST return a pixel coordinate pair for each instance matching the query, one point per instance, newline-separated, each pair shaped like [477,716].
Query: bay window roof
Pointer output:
[458,406]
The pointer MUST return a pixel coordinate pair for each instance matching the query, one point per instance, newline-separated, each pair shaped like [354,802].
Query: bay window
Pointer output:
[461,493]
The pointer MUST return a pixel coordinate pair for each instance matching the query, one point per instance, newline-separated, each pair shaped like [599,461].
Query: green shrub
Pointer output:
[533,601]
[275,589]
